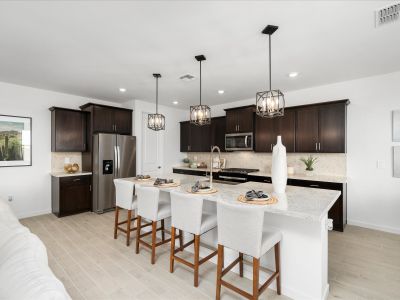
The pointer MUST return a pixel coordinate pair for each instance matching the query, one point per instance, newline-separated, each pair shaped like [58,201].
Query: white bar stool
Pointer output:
[125,199]
[248,237]
[188,215]
[153,205]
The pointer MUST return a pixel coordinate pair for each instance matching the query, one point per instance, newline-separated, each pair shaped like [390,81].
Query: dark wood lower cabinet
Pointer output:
[71,195]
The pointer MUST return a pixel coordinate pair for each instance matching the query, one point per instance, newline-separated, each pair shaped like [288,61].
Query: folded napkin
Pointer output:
[255,195]
[160,181]
[198,186]
[143,176]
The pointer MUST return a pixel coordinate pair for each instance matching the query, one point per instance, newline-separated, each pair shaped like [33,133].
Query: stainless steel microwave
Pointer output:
[239,141]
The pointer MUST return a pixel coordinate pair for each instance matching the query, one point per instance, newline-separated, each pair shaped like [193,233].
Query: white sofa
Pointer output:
[24,270]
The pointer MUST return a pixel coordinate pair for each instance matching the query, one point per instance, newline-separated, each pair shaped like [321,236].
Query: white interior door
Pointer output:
[152,156]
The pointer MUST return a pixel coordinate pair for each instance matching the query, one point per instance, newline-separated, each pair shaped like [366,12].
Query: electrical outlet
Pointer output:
[10,198]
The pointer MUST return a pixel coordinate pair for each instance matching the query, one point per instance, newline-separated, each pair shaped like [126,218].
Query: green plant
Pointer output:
[309,162]
[186,160]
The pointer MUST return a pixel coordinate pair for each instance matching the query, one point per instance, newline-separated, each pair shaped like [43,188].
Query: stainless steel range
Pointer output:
[237,175]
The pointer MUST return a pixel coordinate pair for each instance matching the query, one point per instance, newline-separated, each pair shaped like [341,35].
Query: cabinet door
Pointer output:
[332,128]
[307,129]
[75,194]
[69,131]
[218,126]
[264,134]
[245,119]
[196,136]
[103,120]
[285,127]
[123,121]
[185,136]
[231,121]
[205,138]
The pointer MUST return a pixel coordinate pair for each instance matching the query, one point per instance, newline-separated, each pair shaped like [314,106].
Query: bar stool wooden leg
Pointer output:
[162,230]
[241,264]
[256,275]
[116,221]
[171,257]
[278,268]
[128,227]
[180,239]
[153,242]
[139,224]
[196,259]
[220,265]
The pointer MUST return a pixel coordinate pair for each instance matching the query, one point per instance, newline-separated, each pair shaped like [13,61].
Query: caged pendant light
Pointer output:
[200,114]
[156,121]
[271,103]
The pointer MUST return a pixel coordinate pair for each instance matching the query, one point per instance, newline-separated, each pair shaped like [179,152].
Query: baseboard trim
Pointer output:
[29,214]
[374,226]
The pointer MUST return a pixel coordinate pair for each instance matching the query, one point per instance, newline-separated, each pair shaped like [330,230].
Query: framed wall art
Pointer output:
[396,125]
[15,141]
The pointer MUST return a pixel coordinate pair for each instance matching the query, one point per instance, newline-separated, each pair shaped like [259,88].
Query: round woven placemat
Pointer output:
[212,191]
[164,185]
[268,201]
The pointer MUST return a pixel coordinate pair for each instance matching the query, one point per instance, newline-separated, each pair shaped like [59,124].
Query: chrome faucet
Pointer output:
[211,162]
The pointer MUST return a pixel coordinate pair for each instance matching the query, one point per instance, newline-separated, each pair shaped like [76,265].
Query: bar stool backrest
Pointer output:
[148,199]
[186,212]
[240,227]
[124,193]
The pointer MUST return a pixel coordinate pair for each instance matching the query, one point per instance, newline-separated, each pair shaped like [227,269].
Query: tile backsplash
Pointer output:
[327,164]
[57,160]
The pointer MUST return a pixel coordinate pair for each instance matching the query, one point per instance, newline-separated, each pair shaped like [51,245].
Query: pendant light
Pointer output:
[270,103]
[200,114]
[156,121]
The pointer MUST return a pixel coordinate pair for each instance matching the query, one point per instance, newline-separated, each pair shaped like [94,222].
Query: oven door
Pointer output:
[239,141]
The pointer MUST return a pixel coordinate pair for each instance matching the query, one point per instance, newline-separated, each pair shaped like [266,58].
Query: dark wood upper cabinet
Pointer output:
[68,130]
[332,128]
[200,138]
[240,119]
[307,129]
[264,134]
[185,136]
[109,119]
[123,121]
[267,130]
[321,127]
[218,125]
[286,127]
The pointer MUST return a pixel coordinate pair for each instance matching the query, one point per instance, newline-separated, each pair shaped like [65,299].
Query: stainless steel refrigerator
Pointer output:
[114,156]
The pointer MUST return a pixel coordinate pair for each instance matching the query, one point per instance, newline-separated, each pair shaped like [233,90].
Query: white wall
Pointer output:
[31,186]
[170,138]
[373,194]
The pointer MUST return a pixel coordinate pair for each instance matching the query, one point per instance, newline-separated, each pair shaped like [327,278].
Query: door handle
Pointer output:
[115,160]
[245,140]
[119,160]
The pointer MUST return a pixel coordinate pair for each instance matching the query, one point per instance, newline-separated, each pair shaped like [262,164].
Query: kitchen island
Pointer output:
[301,215]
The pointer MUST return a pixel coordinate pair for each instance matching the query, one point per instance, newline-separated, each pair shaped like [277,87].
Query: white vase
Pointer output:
[279,167]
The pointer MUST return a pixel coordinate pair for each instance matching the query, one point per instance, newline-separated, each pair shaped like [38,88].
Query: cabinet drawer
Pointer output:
[259,179]
[74,180]
[316,184]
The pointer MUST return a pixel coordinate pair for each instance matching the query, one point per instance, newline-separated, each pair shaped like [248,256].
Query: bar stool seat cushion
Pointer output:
[270,237]
[208,222]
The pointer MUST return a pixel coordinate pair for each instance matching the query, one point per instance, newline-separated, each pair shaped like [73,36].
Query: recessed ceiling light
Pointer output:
[175,102]
[122,90]
[293,74]
[221,92]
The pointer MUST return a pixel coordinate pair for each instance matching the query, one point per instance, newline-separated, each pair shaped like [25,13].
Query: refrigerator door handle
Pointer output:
[119,161]
[115,162]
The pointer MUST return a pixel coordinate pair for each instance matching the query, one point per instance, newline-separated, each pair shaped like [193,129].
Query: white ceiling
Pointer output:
[92,48]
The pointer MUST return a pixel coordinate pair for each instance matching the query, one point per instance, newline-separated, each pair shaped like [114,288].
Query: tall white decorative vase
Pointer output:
[279,167]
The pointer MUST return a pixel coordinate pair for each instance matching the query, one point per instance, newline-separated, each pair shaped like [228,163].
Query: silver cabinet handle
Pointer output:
[267,180]
[319,146]
[77,179]
[90,188]
[316,146]
[314,185]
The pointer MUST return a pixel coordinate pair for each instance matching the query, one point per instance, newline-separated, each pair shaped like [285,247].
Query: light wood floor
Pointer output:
[363,264]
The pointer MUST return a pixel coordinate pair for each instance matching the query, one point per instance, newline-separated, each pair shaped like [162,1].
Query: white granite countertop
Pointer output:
[315,177]
[299,202]
[63,174]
